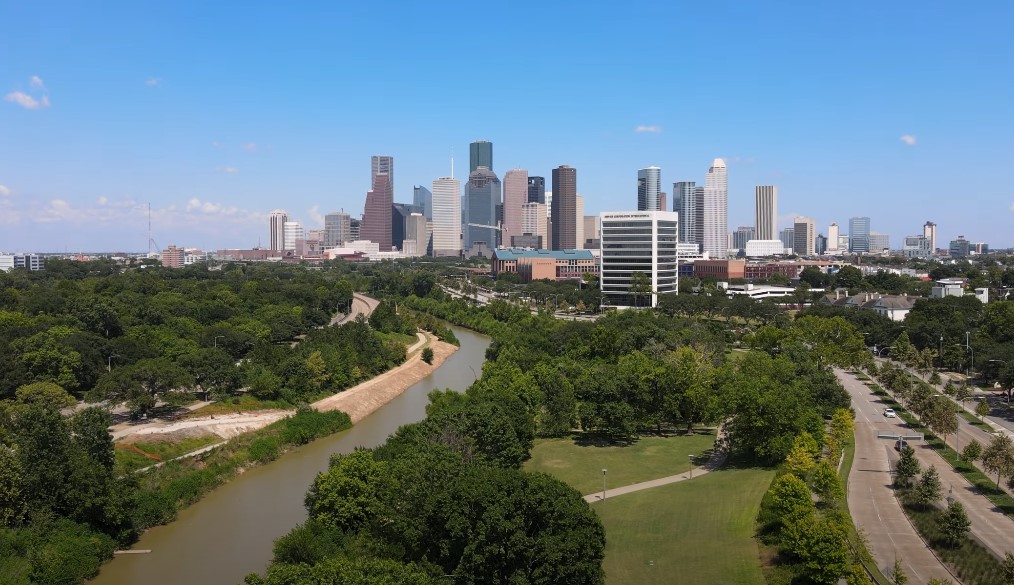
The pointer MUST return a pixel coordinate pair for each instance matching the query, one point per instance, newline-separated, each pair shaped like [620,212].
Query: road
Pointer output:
[361,305]
[870,495]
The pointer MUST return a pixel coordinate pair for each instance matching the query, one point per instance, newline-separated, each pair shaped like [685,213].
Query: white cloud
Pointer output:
[5,191]
[908,139]
[250,147]
[650,129]
[103,200]
[1012,206]
[153,81]
[26,101]
[227,170]
[316,216]
[36,83]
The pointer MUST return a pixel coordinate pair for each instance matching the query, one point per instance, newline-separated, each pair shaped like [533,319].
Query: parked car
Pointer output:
[889,413]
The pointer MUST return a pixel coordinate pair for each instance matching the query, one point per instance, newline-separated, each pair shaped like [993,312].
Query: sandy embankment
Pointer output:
[358,402]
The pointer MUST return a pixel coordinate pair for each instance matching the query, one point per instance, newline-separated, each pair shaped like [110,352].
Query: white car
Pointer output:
[889,413]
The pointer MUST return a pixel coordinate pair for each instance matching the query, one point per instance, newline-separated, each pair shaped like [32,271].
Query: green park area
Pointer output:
[696,531]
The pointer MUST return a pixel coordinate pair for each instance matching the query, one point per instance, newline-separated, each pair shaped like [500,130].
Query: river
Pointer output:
[230,532]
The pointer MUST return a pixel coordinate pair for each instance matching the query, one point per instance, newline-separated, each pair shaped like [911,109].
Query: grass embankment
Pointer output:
[129,459]
[235,404]
[579,461]
[696,531]
[166,490]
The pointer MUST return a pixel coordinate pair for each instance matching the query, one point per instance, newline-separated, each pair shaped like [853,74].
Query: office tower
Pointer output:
[859,234]
[579,222]
[534,222]
[715,208]
[423,199]
[564,208]
[400,216]
[662,203]
[833,236]
[292,230]
[820,245]
[788,238]
[536,189]
[929,231]
[649,185]
[355,225]
[276,225]
[684,202]
[337,226]
[446,217]
[699,216]
[515,194]
[591,231]
[766,197]
[173,257]
[482,191]
[804,236]
[742,235]
[480,154]
[637,241]
[879,242]
[376,226]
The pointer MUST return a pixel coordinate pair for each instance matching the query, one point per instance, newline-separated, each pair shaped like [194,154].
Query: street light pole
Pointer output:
[217,337]
[691,456]
[603,483]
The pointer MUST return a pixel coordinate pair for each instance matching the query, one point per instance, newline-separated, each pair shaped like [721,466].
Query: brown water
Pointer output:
[230,532]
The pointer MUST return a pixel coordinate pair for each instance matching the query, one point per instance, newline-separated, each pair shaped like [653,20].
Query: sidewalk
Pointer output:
[716,460]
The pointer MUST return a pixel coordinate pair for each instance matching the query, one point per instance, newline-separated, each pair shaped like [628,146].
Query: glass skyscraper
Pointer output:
[859,234]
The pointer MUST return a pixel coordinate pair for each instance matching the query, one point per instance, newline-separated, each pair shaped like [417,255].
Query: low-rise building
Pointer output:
[33,262]
[894,307]
[532,265]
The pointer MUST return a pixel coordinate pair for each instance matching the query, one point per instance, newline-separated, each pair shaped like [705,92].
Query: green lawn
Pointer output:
[698,531]
[128,461]
[580,465]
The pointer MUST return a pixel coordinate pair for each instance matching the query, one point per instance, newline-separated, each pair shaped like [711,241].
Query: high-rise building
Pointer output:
[685,202]
[515,194]
[649,185]
[337,226]
[536,189]
[820,246]
[788,238]
[742,235]
[446,217]
[879,242]
[535,222]
[400,217]
[833,236]
[804,236]
[929,230]
[376,226]
[172,257]
[423,199]
[591,231]
[416,235]
[480,154]
[766,197]
[715,226]
[482,191]
[638,241]
[662,202]
[354,226]
[293,230]
[277,229]
[579,222]
[564,208]
[859,234]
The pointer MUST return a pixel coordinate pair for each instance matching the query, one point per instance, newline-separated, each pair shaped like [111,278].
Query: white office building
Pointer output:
[715,211]
[446,217]
[292,231]
[766,199]
[638,241]
[833,237]
[535,222]
[276,227]
[337,229]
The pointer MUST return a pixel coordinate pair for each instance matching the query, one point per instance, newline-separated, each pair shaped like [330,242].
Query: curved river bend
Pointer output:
[230,532]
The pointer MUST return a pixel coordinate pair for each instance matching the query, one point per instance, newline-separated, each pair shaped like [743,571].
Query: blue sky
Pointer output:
[216,113]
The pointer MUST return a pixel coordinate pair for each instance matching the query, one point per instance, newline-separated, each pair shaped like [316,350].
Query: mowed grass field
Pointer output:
[693,532]
[580,464]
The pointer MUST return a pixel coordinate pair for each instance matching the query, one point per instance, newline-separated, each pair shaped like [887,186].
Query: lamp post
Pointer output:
[691,456]
[941,355]
[971,361]
[109,362]
[603,483]
[217,337]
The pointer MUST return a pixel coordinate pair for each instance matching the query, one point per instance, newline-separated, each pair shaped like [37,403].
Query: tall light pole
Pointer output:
[217,337]
[971,361]
[691,456]
[603,483]
[109,362]
[941,354]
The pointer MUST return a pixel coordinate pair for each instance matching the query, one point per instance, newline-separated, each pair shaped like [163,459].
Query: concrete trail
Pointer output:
[716,460]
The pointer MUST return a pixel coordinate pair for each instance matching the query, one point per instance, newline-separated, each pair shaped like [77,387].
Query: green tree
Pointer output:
[12,497]
[907,467]
[842,430]
[972,452]
[982,408]
[142,384]
[1007,569]
[998,457]
[942,419]
[799,461]
[848,277]
[954,523]
[927,491]
[427,355]
[790,498]
[345,496]
[898,575]
[45,394]
[821,544]
[827,484]
[640,286]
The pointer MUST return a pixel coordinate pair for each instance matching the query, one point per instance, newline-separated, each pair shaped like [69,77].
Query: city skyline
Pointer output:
[217,132]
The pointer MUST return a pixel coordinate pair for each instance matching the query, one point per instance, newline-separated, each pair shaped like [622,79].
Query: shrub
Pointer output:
[427,355]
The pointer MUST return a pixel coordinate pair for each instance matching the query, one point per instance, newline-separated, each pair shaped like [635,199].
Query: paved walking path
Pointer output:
[871,499]
[361,305]
[716,460]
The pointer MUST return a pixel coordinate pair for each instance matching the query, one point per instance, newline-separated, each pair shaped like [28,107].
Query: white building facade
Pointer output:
[292,231]
[715,211]
[766,221]
[638,241]
[446,217]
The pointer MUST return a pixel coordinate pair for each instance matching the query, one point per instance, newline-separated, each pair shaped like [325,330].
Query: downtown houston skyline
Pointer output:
[899,113]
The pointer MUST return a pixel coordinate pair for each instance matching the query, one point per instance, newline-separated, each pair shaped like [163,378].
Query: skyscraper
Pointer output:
[482,191]
[859,234]
[804,236]
[337,228]
[376,225]
[293,230]
[480,154]
[536,189]
[715,227]
[401,214]
[564,208]
[446,217]
[788,238]
[684,202]
[423,199]
[929,231]
[515,194]
[276,225]
[766,197]
[579,222]
[742,235]
[833,235]
[534,222]
[649,185]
